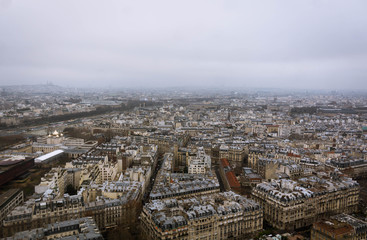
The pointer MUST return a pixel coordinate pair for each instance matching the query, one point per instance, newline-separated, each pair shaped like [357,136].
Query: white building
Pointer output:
[199,164]
[49,156]
[108,171]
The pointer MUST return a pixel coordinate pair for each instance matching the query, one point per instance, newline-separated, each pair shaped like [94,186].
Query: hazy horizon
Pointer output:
[154,44]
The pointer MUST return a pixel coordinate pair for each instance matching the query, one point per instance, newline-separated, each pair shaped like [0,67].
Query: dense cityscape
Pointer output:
[182,164]
[183,120]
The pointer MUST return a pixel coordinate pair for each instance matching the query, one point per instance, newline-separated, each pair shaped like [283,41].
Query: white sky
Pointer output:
[258,43]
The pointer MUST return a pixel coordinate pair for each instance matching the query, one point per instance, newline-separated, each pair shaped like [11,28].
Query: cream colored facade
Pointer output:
[215,216]
[54,183]
[107,213]
[108,170]
[200,163]
[232,153]
[254,156]
[45,148]
[289,205]
[197,167]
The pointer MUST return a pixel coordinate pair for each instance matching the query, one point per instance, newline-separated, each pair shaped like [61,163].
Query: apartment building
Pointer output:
[289,204]
[341,226]
[214,216]
[82,228]
[8,201]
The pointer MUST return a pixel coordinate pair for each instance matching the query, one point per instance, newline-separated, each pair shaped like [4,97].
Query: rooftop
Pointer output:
[8,195]
[49,155]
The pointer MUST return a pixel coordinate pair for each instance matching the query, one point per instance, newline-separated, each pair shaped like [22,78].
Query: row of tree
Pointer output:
[70,116]
[303,110]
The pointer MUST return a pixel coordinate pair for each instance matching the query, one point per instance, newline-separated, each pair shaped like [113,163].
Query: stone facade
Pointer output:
[289,205]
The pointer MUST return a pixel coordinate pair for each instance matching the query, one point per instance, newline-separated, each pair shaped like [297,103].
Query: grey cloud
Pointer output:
[297,44]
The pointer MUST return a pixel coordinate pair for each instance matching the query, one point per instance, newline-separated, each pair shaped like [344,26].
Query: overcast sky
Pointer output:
[258,43]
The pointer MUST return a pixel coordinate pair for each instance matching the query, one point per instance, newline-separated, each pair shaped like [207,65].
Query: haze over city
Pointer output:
[245,44]
[183,120]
